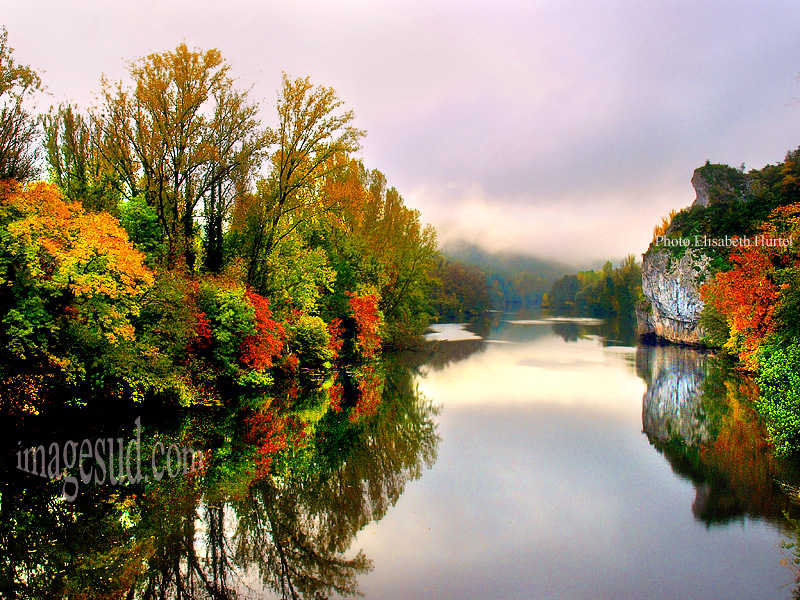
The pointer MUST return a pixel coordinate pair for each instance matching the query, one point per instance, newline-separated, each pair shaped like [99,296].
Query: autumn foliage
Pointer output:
[367,317]
[267,431]
[760,282]
[59,248]
[370,391]
[71,282]
[260,349]
[746,296]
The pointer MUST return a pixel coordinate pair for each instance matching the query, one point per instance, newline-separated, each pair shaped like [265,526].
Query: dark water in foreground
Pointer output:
[570,467]
[541,459]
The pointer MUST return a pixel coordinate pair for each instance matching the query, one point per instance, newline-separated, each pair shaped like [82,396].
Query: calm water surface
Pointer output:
[532,459]
[573,466]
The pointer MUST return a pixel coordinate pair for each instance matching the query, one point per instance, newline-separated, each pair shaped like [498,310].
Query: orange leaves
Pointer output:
[268,434]
[364,310]
[746,295]
[60,250]
[370,391]
[335,331]
[661,229]
[100,242]
[259,350]
[203,331]
[750,293]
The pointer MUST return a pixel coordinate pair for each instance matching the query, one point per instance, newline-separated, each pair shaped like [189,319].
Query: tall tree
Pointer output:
[181,135]
[312,132]
[18,131]
[75,163]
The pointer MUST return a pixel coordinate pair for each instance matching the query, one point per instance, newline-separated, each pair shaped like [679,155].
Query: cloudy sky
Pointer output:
[563,129]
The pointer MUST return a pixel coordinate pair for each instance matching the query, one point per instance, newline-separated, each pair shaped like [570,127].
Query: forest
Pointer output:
[610,292]
[169,261]
[180,249]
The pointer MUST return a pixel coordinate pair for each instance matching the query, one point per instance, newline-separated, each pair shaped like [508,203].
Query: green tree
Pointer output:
[18,131]
[75,163]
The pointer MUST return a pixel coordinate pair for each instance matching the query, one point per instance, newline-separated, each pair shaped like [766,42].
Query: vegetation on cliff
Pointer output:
[751,289]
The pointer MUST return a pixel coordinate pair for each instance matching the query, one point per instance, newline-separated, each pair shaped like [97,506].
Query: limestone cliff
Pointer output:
[671,278]
[671,285]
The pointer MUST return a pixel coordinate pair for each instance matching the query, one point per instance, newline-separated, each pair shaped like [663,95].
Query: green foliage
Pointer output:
[725,184]
[779,400]
[140,221]
[311,341]
[607,293]
[738,203]
[715,325]
[296,275]
[458,291]
[788,307]
[18,128]
[752,295]
[76,163]
[73,285]
[232,321]
[307,277]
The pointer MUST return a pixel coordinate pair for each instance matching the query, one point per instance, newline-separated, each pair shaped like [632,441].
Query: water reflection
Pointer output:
[611,332]
[699,415]
[546,487]
[228,531]
[672,405]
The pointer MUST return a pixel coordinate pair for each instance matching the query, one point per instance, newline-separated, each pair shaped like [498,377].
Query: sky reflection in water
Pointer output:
[546,487]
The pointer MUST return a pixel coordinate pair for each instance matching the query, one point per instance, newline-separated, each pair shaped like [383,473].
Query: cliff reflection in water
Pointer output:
[698,414]
[229,532]
[672,406]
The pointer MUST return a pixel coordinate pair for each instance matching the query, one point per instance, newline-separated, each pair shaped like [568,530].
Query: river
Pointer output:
[573,465]
[528,458]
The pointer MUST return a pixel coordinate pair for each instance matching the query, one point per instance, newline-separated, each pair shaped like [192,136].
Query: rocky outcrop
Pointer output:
[671,285]
[719,183]
[672,276]
[701,188]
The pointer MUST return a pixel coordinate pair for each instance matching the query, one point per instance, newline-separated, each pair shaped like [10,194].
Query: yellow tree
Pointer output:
[70,283]
[183,137]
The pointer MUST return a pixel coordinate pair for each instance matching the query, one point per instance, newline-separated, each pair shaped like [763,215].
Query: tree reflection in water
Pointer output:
[229,532]
[698,413]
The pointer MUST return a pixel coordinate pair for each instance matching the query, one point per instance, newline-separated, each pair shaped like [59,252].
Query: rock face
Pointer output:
[671,283]
[701,188]
[672,286]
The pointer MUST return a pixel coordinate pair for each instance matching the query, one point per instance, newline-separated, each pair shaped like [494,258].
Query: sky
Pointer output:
[564,130]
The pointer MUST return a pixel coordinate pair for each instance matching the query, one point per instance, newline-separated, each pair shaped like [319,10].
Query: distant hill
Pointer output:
[514,279]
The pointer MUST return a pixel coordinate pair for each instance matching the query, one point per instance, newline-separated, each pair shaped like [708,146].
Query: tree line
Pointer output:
[178,248]
[610,292]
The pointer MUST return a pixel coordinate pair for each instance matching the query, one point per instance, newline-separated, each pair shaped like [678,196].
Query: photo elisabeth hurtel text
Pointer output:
[107,461]
[704,241]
